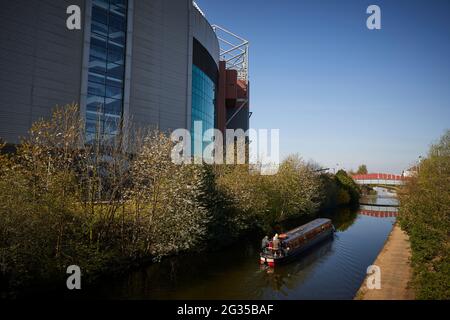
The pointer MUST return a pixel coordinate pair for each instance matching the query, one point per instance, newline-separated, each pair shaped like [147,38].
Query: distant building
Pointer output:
[411,172]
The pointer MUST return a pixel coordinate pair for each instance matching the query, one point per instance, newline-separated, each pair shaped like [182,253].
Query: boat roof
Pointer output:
[306,227]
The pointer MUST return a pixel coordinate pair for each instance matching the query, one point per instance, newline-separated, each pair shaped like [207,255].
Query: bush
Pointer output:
[348,184]
[424,215]
[343,198]
[99,205]
[336,190]
[246,195]
[63,202]
[261,201]
[164,198]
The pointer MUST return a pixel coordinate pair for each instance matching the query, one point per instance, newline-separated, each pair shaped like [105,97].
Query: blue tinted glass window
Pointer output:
[100,15]
[111,124]
[116,53]
[96,88]
[101,4]
[119,7]
[113,106]
[115,82]
[95,103]
[203,107]
[106,69]
[117,22]
[99,41]
[97,66]
[115,70]
[114,92]
[97,53]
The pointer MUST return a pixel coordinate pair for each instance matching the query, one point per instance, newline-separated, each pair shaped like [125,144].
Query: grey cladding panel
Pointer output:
[42,61]
[159,76]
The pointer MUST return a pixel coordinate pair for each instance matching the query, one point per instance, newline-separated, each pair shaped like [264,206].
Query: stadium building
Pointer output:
[158,63]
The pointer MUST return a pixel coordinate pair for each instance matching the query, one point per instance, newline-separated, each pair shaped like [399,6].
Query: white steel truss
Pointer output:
[234,51]
[198,8]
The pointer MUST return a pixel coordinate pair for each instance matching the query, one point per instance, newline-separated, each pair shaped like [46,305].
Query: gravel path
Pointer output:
[396,272]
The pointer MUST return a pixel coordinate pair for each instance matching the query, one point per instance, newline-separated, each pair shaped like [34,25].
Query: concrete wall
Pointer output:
[161,70]
[204,33]
[159,73]
[40,62]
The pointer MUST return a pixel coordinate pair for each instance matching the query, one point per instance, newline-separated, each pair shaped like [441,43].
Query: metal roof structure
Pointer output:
[234,51]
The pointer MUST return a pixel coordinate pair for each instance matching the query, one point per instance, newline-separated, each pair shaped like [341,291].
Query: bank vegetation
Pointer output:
[425,215]
[105,206]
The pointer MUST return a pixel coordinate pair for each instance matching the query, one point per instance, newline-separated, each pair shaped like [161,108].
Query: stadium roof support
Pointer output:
[234,51]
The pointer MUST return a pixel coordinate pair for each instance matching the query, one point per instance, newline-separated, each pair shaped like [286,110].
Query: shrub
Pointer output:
[346,182]
[334,191]
[63,202]
[103,204]
[424,214]
[165,200]
[261,201]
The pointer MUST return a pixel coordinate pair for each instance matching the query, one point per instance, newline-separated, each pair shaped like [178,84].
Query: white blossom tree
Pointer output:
[165,199]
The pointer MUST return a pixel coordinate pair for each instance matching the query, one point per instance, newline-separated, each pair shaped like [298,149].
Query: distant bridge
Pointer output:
[378,211]
[379,179]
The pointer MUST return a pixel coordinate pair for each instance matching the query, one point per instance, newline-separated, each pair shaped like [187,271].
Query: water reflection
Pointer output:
[343,218]
[289,275]
[379,207]
[333,269]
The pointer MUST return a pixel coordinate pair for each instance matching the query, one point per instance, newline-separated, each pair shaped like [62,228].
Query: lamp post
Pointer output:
[418,165]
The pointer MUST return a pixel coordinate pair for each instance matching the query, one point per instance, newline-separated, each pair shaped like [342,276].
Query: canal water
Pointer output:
[333,269]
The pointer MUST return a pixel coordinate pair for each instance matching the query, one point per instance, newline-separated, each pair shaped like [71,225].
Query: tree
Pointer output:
[348,184]
[362,169]
[294,189]
[165,200]
[41,224]
[245,191]
[258,200]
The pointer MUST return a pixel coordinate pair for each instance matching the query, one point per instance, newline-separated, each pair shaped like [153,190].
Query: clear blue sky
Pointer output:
[338,92]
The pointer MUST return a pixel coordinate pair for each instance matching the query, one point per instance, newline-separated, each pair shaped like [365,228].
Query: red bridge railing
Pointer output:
[378,176]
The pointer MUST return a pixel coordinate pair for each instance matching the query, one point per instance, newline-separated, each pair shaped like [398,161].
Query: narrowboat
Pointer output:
[296,241]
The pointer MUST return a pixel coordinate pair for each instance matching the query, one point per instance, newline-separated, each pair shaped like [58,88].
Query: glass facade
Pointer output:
[106,75]
[203,102]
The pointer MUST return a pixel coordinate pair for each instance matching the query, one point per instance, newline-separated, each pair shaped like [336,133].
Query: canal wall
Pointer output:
[396,272]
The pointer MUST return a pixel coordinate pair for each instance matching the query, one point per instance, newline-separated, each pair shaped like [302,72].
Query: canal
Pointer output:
[334,269]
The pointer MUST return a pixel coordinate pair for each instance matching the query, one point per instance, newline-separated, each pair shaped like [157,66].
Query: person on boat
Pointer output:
[276,244]
[284,248]
[265,243]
